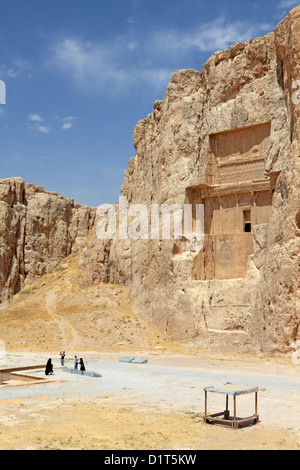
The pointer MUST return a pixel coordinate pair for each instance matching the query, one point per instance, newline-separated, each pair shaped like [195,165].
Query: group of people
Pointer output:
[49,365]
[76,362]
[80,362]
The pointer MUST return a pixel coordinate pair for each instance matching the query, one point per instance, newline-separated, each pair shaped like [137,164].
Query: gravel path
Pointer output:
[173,383]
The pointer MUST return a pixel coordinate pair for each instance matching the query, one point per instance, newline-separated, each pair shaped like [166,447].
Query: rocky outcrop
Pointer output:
[38,230]
[226,137]
[275,321]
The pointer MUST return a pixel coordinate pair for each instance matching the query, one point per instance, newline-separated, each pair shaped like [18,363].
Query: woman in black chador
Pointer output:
[49,368]
[81,365]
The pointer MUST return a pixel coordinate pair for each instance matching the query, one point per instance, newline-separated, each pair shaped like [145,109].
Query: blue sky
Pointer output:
[80,75]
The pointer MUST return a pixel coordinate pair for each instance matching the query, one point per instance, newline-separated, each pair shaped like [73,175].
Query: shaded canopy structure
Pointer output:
[234,391]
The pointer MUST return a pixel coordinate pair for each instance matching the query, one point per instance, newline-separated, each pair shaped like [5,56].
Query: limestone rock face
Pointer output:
[37,230]
[227,138]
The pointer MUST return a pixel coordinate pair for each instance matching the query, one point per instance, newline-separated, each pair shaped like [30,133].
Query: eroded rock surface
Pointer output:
[227,138]
[38,230]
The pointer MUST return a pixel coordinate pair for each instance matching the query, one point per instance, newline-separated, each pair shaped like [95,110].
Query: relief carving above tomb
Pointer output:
[239,198]
[240,155]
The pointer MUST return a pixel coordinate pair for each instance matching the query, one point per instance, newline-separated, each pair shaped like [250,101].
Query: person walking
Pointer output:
[82,366]
[49,368]
[62,357]
[76,363]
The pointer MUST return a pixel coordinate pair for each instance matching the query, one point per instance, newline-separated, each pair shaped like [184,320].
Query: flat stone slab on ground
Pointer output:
[81,372]
[133,360]
[139,361]
[126,359]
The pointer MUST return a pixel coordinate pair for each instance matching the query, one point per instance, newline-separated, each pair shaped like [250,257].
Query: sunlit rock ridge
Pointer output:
[227,138]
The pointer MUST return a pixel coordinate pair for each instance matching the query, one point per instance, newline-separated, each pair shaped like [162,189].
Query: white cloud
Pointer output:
[35,124]
[288,4]
[69,118]
[123,64]
[35,118]
[209,37]
[43,129]
[107,66]
[11,73]
[19,68]
[219,35]
[68,122]
[8,72]
[130,20]
[132,45]
[67,125]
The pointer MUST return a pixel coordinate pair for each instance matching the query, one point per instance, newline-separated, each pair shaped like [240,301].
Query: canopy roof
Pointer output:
[231,389]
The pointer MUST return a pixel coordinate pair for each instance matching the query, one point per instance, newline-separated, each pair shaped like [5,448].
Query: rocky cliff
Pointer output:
[226,138]
[38,230]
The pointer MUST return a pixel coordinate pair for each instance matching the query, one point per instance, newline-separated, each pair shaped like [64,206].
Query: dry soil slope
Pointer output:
[55,313]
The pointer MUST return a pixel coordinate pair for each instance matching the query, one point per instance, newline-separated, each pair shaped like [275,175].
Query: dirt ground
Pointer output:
[154,406]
